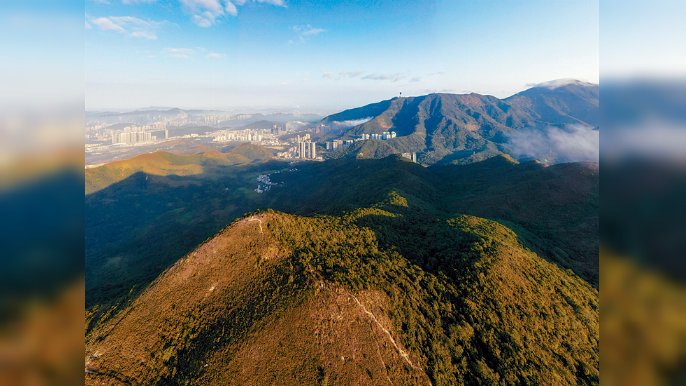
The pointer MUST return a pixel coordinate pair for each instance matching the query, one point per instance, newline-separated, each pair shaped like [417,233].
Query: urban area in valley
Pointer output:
[113,136]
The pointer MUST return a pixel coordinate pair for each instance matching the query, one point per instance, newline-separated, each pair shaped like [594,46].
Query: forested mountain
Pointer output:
[392,293]
[463,128]
[129,224]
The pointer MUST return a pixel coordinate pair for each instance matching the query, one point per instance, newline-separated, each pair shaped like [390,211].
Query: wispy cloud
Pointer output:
[206,13]
[342,75]
[180,53]
[377,76]
[305,31]
[130,2]
[127,25]
[352,122]
[279,3]
[391,77]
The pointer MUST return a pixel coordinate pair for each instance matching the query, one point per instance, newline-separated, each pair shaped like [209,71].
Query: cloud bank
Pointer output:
[556,144]
[557,83]
[352,122]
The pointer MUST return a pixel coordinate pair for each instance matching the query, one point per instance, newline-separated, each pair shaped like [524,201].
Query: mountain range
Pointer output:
[463,128]
[226,266]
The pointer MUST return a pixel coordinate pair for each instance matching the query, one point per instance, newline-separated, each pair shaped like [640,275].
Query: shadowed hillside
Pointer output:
[163,164]
[138,227]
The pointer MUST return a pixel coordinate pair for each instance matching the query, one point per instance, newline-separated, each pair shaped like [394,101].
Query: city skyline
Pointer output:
[326,56]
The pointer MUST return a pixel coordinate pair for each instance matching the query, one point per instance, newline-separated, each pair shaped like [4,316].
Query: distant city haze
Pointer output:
[323,57]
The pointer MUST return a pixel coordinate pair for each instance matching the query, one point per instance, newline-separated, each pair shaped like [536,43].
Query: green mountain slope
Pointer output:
[140,226]
[462,128]
[383,295]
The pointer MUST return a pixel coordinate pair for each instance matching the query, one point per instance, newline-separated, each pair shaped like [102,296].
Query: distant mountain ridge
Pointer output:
[463,128]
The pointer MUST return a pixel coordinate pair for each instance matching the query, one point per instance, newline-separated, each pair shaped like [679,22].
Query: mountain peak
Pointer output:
[557,83]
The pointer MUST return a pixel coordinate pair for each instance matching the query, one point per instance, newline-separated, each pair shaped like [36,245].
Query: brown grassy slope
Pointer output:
[163,163]
[281,299]
[229,312]
[146,343]
[336,337]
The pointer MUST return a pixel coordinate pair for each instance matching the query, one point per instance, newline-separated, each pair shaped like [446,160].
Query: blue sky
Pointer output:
[325,55]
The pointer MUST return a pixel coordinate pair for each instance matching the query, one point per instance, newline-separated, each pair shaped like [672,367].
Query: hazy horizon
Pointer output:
[301,109]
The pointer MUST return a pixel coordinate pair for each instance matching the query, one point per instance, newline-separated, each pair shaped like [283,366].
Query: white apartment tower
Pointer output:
[313,150]
[307,150]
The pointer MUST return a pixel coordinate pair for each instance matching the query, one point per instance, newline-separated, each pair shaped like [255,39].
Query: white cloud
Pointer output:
[279,3]
[206,13]
[556,144]
[180,53]
[306,31]
[127,25]
[390,77]
[352,122]
[107,24]
[130,2]
[557,83]
[214,55]
[394,77]
[231,8]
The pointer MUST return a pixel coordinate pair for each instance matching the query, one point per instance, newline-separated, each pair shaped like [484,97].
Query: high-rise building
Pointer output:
[313,150]
[307,150]
[130,137]
[411,156]
[302,147]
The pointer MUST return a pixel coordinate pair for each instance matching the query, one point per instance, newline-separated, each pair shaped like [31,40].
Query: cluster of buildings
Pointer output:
[386,135]
[265,137]
[134,135]
[247,135]
[333,145]
[303,148]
